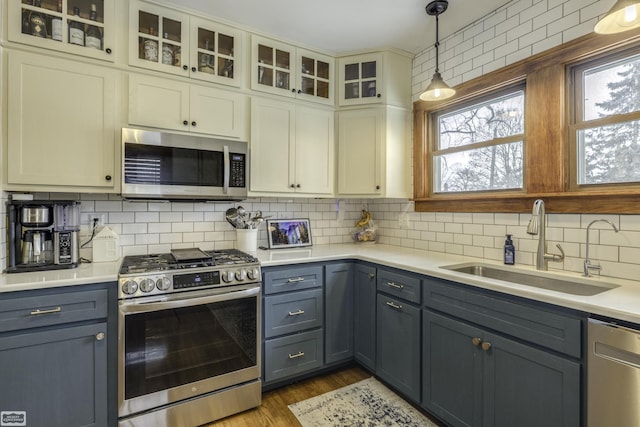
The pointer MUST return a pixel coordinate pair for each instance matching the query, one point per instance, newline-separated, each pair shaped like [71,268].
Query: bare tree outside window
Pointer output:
[480,146]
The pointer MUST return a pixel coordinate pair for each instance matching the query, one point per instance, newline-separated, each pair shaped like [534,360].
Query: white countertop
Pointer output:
[622,302]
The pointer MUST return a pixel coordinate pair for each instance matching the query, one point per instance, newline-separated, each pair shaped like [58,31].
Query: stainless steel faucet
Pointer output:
[538,225]
[587,263]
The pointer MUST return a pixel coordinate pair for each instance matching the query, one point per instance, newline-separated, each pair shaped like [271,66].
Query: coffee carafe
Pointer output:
[42,235]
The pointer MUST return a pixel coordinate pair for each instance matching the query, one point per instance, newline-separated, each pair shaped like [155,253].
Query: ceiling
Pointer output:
[338,26]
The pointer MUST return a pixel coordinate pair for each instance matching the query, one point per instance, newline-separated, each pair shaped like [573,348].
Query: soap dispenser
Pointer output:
[509,251]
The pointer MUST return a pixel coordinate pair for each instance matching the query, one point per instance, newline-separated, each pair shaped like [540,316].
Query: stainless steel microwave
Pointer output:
[162,165]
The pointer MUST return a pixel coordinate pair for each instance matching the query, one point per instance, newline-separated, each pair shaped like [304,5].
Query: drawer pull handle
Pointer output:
[476,341]
[296,280]
[296,313]
[395,285]
[486,346]
[394,305]
[295,356]
[38,312]
[99,336]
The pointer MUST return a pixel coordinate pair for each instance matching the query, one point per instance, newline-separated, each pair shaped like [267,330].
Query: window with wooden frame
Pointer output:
[604,127]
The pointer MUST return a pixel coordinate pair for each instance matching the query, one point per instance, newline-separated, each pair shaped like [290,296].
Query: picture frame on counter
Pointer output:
[288,233]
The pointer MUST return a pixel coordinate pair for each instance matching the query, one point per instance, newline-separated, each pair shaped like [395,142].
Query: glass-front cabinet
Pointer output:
[166,40]
[83,27]
[360,80]
[283,69]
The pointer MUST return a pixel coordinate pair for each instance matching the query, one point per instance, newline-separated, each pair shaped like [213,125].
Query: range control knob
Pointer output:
[147,285]
[241,274]
[253,273]
[129,287]
[163,283]
[228,276]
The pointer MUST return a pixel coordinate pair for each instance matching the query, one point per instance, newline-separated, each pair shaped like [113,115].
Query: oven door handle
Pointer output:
[187,299]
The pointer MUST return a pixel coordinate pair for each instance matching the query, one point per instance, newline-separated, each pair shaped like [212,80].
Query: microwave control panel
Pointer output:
[238,163]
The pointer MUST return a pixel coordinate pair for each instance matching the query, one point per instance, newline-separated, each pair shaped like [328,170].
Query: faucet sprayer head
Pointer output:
[534,222]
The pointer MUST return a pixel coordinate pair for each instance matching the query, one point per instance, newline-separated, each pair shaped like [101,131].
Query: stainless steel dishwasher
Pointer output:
[613,375]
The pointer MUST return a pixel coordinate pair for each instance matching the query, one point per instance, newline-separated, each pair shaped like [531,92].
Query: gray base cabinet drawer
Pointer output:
[400,285]
[45,310]
[293,355]
[533,324]
[292,279]
[292,312]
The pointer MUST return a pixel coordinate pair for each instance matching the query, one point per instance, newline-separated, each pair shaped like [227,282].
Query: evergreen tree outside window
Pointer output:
[606,119]
[479,145]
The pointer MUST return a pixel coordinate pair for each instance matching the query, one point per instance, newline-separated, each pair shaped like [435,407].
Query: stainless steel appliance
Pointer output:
[613,375]
[42,235]
[172,166]
[189,337]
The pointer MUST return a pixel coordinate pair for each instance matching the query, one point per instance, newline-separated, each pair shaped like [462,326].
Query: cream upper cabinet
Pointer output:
[82,27]
[375,78]
[292,149]
[167,40]
[285,70]
[168,104]
[61,125]
[374,152]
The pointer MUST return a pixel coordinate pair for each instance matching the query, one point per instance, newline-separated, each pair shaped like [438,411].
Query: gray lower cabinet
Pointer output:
[489,360]
[338,309]
[55,352]
[364,315]
[398,336]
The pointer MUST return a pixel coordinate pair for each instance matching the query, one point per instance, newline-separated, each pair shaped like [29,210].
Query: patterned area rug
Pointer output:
[366,403]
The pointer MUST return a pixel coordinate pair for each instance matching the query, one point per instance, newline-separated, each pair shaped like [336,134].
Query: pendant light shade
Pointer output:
[623,16]
[437,89]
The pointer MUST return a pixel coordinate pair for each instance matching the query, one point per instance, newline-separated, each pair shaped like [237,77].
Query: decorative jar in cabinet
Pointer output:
[81,27]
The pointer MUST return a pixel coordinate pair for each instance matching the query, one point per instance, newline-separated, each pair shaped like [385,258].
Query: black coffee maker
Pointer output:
[42,235]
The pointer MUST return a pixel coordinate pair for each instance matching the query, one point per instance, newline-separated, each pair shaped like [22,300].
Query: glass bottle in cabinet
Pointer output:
[274,67]
[160,39]
[64,25]
[215,52]
[315,81]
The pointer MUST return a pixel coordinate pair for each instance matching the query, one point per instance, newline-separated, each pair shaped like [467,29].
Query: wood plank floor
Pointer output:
[274,410]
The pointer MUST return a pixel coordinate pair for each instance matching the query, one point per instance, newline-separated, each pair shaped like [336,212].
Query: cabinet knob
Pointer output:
[186,123]
[299,91]
[194,69]
[293,91]
[185,67]
[193,124]
[99,336]
[486,345]
[377,187]
[476,341]
[292,186]
[108,50]
[379,95]
[108,177]
[298,186]
[371,275]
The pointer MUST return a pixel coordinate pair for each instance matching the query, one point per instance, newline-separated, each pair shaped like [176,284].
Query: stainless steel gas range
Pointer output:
[188,337]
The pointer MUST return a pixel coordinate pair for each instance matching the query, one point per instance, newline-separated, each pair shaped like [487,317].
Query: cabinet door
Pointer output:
[272,67]
[58,38]
[272,136]
[216,52]
[158,38]
[217,112]
[364,322]
[158,103]
[452,370]
[314,151]
[360,80]
[57,377]
[527,387]
[338,306]
[398,345]
[315,77]
[61,124]
[359,152]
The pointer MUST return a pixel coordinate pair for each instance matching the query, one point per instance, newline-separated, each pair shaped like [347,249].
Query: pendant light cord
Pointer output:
[437,45]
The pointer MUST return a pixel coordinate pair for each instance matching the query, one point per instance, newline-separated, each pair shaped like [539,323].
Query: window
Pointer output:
[605,133]
[479,145]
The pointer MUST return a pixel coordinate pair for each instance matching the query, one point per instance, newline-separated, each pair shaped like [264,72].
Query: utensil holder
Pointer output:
[247,239]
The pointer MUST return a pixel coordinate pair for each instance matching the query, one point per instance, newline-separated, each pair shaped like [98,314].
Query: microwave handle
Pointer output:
[227,170]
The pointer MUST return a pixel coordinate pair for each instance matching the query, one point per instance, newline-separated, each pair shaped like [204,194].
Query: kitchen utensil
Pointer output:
[232,216]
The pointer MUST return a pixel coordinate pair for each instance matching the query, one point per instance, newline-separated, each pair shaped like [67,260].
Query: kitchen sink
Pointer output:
[540,280]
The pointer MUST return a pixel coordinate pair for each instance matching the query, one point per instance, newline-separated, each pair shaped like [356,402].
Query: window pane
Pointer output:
[612,89]
[489,168]
[498,118]
[609,154]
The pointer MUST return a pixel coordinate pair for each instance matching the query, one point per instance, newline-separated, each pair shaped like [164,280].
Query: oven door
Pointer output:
[182,345]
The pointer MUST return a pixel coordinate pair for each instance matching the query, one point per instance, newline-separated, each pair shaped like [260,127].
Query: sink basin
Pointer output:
[541,280]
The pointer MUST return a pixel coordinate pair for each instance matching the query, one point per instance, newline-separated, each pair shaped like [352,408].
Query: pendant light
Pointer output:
[623,16]
[437,89]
